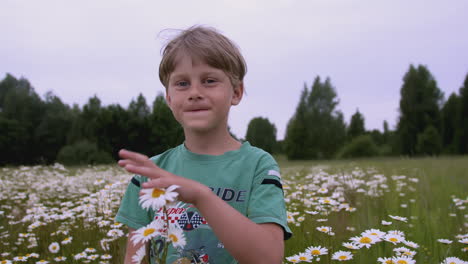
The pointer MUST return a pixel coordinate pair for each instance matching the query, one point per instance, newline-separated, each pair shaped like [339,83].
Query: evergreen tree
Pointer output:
[356,126]
[450,118]
[296,131]
[166,132]
[317,130]
[419,108]
[51,133]
[463,120]
[261,133]
[139,131]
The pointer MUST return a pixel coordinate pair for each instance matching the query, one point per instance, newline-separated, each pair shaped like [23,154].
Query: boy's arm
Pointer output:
[131,248]
[247,241]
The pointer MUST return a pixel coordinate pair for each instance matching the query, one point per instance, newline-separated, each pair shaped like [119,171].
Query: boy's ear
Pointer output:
[168,99]
[238,93]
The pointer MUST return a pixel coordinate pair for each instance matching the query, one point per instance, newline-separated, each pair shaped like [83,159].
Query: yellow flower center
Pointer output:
[302,258]
[326,201]
[148,231]
[324,230]
[402,261]
[365,240]
[174,238]
[315,252]
[374,234]
[393,239]
[407,253]
[157,192]
[389,261]
[343,257]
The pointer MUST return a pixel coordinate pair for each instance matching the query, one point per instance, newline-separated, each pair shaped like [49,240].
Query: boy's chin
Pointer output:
[198,128]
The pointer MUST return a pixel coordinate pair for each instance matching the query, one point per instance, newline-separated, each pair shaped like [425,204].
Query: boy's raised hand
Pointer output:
[133,162]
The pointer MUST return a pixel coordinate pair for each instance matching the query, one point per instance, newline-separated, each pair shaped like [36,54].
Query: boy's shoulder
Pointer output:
[157,159]
[259,154]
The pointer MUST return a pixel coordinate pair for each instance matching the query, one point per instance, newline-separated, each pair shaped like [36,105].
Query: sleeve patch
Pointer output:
[136,182]
[274,173]
[273,181]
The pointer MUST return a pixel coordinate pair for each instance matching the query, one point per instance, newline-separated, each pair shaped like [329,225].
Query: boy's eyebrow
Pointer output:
[182,74]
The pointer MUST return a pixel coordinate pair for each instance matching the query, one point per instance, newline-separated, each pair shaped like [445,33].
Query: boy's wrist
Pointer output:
[204,195]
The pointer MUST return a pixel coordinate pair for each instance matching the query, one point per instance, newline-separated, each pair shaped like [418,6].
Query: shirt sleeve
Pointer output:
[266,204]
[130,212]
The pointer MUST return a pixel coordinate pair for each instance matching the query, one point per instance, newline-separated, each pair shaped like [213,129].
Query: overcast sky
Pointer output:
[111,48]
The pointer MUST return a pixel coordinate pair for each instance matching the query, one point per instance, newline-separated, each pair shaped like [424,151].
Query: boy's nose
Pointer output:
[195,91]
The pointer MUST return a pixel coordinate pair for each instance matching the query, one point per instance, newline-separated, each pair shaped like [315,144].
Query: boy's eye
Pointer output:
[182,83]
[210,81]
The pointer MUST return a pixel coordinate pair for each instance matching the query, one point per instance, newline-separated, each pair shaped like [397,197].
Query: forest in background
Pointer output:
[35,130]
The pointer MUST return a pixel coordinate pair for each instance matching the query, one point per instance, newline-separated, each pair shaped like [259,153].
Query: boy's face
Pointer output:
[200,96]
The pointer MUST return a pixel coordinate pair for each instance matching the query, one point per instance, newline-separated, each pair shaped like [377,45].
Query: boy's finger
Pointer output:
[150,172]
[155,183]
[123,163]
[135,156]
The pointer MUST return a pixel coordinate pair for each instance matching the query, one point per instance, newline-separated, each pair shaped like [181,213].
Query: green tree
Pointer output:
[317,130]
[19,102]
[139,131]
[296,131]
[450,118]
[356,126]
[261,133]
[463,120]
[429,142]
[419,108]
[51,133]
[166,132]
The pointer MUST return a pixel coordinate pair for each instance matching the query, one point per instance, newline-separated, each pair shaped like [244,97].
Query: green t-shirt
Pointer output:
[248,179]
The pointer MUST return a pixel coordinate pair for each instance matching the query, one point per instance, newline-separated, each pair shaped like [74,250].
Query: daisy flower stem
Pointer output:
[166,244]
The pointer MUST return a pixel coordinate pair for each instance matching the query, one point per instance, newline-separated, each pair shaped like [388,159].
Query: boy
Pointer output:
[235,209]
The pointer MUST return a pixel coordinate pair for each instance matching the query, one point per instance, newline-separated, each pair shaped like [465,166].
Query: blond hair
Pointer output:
[209,46]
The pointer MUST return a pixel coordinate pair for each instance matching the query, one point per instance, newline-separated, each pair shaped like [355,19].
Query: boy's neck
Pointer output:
[211,144]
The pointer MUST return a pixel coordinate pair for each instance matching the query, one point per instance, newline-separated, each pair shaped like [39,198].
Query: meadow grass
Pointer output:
[428,204]
[40,205]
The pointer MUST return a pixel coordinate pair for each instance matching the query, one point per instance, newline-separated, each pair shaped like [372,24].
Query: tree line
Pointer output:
[35,130]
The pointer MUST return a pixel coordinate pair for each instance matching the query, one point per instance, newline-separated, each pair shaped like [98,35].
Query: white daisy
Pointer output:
[342,255]
[54,247]
[404,260]
[463,241]
[139,255]
[386,260]
[67,240]
[146,233]
[42,262]
[374,232]
[386,223]
[293,259]
[410,244]
[60,259]
[155,198]
[365,241]
[20,258]
[445,241]
[316,251]
[324,229]
[392,238]
[303,257]
[453,260]
[351,245]
[399,218]
[106,256]
[176,235]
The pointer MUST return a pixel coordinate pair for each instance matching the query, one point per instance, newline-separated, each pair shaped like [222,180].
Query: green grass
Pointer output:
[430,209]
[440,180]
